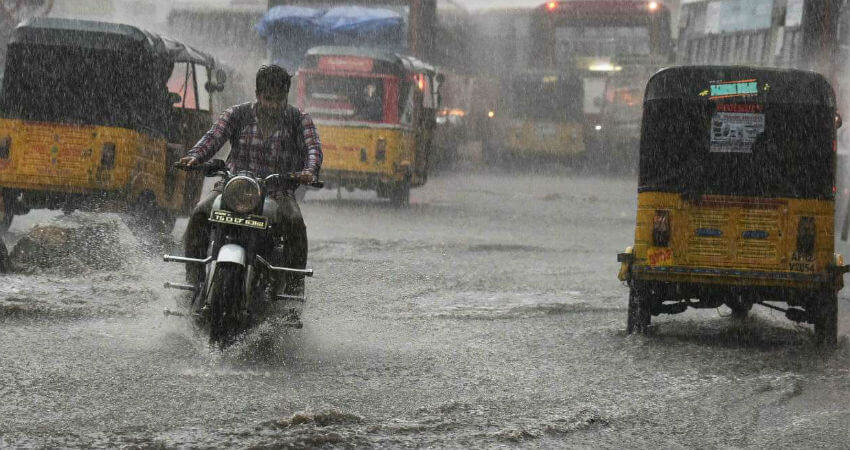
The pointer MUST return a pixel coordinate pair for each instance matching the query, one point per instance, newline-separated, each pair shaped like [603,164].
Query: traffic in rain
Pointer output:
[424,224]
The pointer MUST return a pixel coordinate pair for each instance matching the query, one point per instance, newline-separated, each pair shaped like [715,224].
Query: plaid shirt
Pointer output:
[283,151]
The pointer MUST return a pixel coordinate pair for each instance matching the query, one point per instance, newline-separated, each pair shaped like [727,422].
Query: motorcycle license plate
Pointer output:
[228,218]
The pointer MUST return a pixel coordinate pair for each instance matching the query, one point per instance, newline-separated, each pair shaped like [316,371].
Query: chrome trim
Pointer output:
[180,286]
[183,259]
[306,272]
[232,253]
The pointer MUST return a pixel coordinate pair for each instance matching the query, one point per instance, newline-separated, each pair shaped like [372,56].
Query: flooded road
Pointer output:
[486,314]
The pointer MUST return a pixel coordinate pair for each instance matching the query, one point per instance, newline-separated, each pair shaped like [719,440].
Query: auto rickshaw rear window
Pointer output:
[750,149]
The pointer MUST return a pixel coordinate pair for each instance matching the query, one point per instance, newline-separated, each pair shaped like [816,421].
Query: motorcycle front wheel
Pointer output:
[226,318]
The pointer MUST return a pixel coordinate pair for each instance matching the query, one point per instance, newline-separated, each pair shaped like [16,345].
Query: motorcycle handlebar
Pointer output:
[215,166]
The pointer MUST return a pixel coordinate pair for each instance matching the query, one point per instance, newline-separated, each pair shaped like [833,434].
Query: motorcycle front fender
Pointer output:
[232,253]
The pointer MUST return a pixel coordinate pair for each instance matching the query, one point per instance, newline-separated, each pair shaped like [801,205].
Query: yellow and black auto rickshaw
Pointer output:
[538,115]
[92,115]
[375,112]
[736,197]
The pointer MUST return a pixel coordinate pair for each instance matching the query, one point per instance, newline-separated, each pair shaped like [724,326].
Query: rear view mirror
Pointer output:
[220,76]
[216,84]
[174,98]
[213,87]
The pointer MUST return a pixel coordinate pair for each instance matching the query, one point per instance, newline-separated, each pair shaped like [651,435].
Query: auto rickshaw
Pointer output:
[375,112]
[736,197]
[93,114]
[538,116]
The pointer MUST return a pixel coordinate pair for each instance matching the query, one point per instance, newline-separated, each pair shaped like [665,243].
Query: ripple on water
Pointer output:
[503,305]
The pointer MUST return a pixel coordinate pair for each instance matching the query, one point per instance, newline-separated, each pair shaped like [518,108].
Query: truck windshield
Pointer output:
[345,98]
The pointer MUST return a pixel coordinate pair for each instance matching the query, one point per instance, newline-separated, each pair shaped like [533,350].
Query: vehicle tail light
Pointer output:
[806,236]
[107,155]
[5,147]
[551,6]
[661,228]
[381,150]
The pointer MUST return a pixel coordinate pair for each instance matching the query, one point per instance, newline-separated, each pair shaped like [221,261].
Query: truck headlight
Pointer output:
[241,194]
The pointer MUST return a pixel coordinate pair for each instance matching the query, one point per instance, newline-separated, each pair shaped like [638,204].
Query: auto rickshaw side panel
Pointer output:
[543,137]
[385,152]
[734,240]
[109,162]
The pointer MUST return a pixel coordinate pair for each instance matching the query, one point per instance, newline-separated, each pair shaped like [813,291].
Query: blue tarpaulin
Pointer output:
[291,30]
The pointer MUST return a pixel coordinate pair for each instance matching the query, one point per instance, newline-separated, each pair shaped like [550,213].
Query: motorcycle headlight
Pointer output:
[241,194]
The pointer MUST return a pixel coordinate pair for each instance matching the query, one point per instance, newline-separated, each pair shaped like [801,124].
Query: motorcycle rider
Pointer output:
[267,136]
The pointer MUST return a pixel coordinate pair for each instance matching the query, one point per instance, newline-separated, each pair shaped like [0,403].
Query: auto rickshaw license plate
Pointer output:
[227,217]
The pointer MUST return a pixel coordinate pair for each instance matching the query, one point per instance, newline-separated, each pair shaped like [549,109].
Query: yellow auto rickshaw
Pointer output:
[375,112]
[538,116]
[92,115]
[736,197]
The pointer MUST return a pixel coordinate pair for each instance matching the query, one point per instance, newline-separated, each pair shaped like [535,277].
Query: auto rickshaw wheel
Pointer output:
[639,314]
[740,310]
[4,257]
[6,214]
[826,318]
[400,193]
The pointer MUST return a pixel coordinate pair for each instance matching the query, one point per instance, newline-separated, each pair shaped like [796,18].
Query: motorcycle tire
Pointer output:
[826,319]
[225,319]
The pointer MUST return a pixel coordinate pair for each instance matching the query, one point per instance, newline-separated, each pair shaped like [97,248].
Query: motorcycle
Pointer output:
[235,292]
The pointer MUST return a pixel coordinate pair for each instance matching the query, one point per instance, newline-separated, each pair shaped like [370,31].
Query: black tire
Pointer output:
[225,304]
[639,314]
[4,258]
[740,310]
[6,214]
[826,318]
[400,193]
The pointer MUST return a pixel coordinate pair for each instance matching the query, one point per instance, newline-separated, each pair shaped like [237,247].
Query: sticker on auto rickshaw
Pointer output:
[735,132]
[227,217]
[729,89]
[660,256]
[802,263]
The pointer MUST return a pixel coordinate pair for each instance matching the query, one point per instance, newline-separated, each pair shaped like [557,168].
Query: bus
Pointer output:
[586,39]
[614,45]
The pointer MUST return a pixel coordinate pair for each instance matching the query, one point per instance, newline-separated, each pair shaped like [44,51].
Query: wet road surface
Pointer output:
[487,314]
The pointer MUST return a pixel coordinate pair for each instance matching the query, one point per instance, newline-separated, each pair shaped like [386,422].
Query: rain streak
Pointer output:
[424,223]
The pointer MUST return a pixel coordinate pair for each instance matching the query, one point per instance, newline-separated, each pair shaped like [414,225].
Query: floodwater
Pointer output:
[488,314]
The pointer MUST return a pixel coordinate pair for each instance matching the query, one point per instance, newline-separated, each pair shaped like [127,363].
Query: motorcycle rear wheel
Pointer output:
[226,319]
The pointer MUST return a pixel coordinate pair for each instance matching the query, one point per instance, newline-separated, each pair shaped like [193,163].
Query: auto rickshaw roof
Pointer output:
[106,36]
[772,84]
[408,62]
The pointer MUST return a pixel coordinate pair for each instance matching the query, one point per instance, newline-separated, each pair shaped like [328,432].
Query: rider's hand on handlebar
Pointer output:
[305,177]
[189,161]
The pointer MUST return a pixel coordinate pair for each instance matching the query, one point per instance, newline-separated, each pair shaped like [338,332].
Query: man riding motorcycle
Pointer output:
[266,137]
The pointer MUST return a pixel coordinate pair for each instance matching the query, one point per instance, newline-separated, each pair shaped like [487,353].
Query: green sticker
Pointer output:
[749,87]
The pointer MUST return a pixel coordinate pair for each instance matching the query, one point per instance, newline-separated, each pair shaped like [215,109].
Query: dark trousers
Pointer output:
[290,237]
